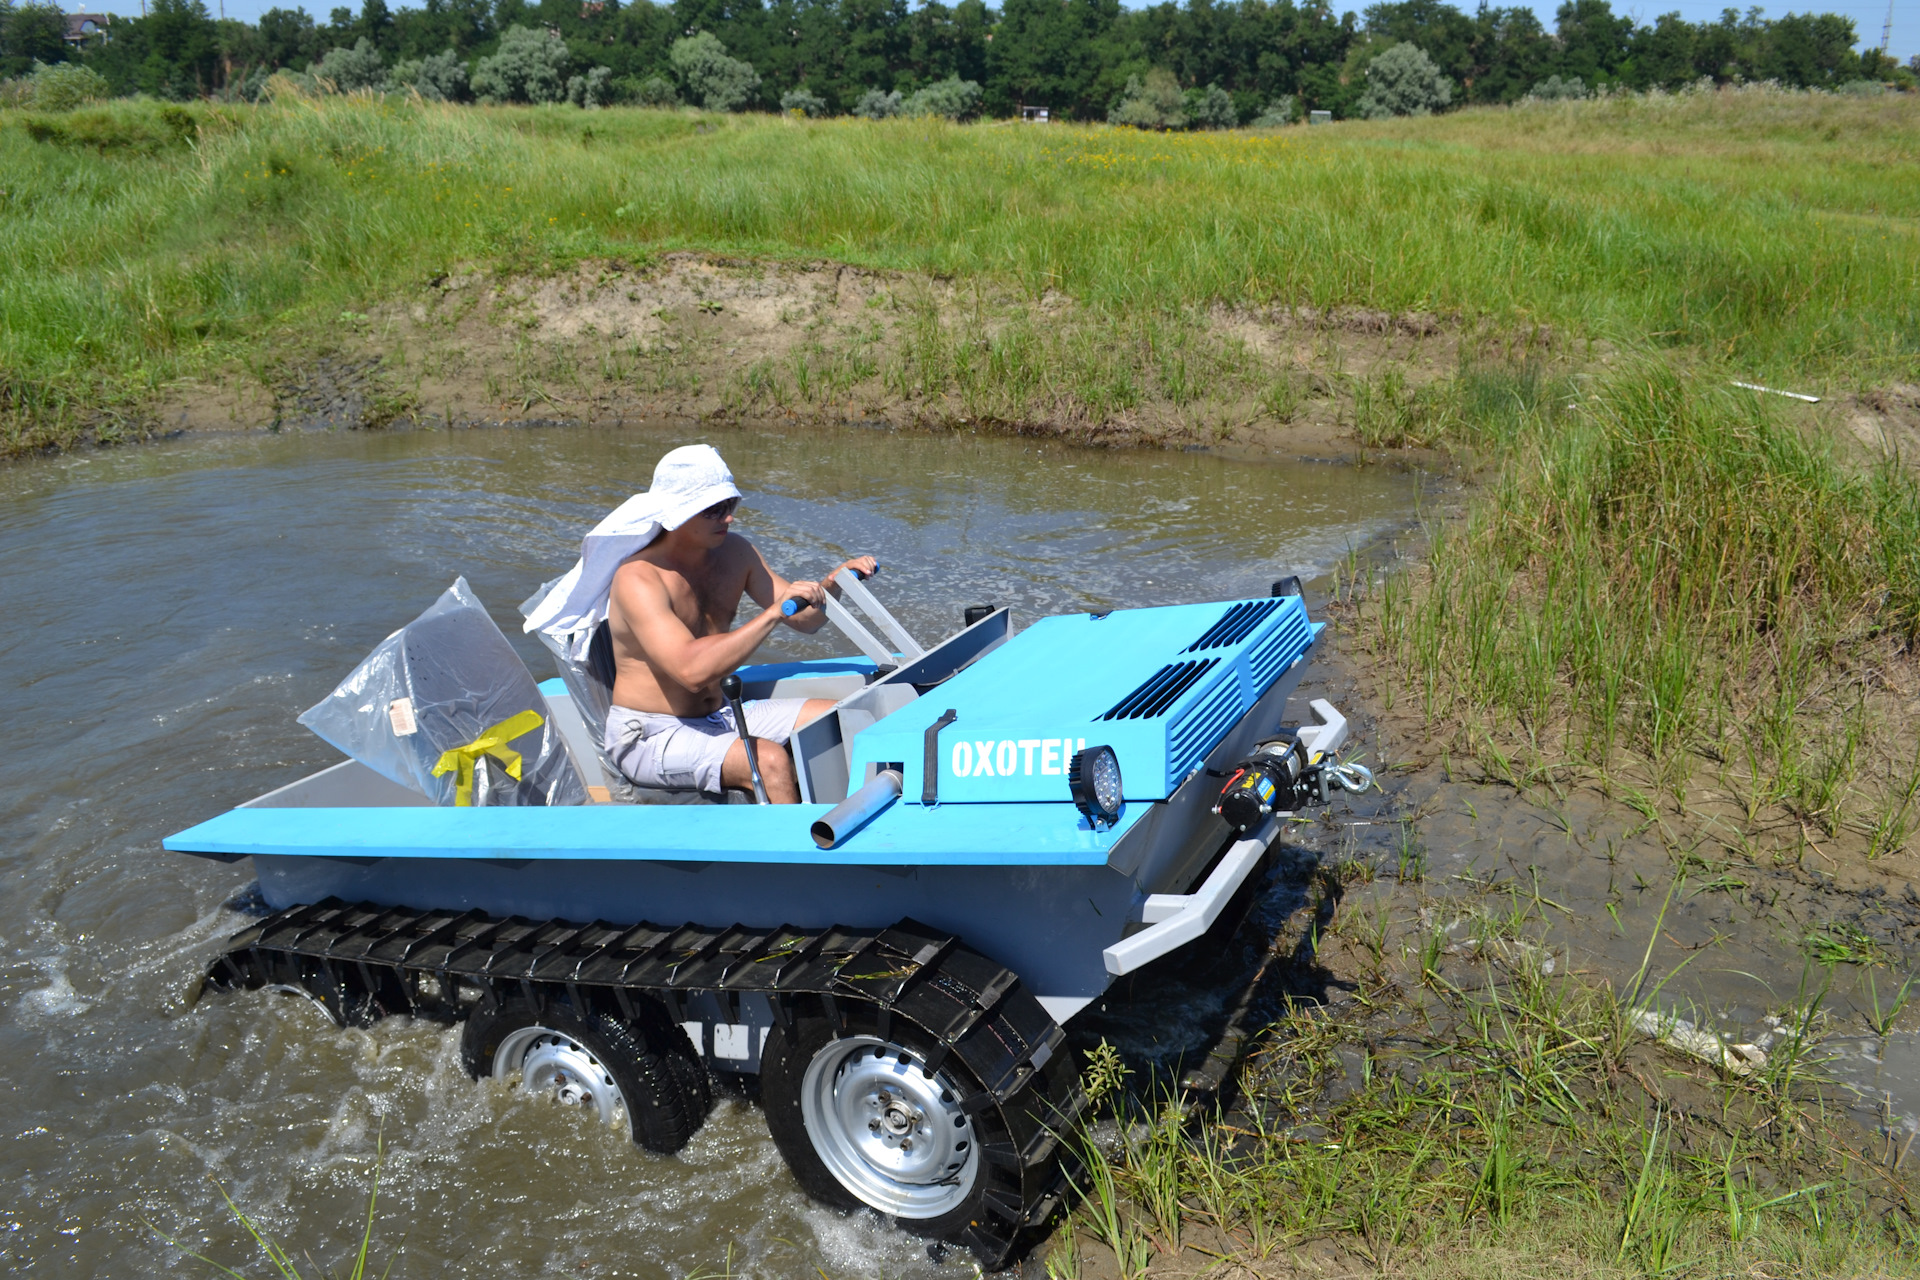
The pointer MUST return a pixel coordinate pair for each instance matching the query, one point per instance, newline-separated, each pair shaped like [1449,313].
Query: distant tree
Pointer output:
[1403,82]
[1053,53]
[1594,44]
[29,34]
[807,104]
[62,86]
[943,42]
[655,91]
[1152,101]
[1812,50]
[1436,28]
[465,26]
[1209,108]
[289,38]
[716,80]
[1511,53]
[439,77]
[1283,110]
[1557,88]
[1663,54]
[1076,56]
[954,98]
[375,25]
[181,50]
[591,90]
[529,66]
[878,104]
[350,70]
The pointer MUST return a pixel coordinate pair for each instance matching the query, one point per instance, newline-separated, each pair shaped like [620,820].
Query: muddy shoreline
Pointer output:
[697,338]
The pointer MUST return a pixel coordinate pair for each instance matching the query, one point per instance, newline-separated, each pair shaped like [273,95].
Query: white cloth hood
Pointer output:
[686,482]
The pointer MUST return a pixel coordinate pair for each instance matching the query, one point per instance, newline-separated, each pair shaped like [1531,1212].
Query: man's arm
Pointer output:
[693,662]
[765,586]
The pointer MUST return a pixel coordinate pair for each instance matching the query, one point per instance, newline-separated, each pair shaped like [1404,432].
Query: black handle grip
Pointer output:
[730,686]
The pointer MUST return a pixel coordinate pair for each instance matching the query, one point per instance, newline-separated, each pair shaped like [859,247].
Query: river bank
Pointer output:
[692,337]
[156,248]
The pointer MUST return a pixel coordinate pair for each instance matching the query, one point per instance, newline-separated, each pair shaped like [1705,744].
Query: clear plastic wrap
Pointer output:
[445,706]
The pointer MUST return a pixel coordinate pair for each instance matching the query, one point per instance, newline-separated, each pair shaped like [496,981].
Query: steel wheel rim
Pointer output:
[551,1062]
[892,1134]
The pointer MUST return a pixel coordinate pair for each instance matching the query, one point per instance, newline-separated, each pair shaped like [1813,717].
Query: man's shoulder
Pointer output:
[637,566]
[738,548]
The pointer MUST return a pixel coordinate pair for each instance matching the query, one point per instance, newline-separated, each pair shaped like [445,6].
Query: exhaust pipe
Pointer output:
[858,809]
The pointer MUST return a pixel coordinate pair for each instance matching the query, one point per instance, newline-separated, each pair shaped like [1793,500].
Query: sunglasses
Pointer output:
[721,510]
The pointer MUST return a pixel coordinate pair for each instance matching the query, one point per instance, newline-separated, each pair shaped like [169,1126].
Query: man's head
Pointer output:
[696,494]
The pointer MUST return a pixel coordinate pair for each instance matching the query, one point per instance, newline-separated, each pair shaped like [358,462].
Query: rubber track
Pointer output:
[362,960]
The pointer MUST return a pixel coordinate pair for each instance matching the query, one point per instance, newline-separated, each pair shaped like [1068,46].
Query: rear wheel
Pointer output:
[642,1074]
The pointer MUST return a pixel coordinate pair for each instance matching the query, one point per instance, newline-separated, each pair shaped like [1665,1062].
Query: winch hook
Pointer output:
[1353,778]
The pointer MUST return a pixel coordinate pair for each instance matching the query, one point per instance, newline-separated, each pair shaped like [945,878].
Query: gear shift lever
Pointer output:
[730,690]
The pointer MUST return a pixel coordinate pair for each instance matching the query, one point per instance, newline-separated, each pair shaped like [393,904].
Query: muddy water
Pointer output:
[169,610]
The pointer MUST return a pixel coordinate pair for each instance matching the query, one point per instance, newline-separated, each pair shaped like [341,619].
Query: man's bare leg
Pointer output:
[776,765]
[776,770]
[815,708]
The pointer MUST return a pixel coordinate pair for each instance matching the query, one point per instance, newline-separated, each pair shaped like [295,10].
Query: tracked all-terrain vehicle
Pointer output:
[993,829]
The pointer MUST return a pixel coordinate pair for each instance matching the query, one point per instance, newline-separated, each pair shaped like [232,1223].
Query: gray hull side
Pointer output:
[1047,924]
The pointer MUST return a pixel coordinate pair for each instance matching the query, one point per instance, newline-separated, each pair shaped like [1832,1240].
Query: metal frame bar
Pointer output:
[1175,919]
[863,639]
[910,649]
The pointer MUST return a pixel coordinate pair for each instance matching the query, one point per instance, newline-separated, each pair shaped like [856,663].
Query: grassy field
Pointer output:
[1770,233]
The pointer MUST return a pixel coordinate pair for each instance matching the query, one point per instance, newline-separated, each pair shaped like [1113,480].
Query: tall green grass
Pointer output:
[1773,232]
[1478,1112]
[1677,574]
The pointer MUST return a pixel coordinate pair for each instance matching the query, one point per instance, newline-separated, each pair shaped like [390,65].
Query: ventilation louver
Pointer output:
[1160,690]
[1276,652]
[1195,732]
[1235,625]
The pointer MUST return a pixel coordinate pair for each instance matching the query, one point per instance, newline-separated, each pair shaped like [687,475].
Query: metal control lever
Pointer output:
[790,607]
[730,690]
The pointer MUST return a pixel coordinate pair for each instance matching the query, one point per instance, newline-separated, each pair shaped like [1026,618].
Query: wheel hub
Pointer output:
[550,1062]
[892,1134]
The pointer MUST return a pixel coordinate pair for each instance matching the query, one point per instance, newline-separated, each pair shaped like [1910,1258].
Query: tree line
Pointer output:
[1198,62]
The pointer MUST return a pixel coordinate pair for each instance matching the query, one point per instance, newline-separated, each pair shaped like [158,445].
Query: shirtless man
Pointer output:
[671,615]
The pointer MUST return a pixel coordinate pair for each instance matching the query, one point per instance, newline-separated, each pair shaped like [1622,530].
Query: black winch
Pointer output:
[1281,777]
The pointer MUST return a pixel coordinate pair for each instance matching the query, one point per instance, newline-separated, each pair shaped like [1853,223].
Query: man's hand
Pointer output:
[811,595]
[862,566]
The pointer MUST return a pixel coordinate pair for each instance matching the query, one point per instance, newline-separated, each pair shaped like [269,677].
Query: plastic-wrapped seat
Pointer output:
[445,706]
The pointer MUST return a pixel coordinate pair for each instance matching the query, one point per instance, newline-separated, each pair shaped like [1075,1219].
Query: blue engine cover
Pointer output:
[1160,686]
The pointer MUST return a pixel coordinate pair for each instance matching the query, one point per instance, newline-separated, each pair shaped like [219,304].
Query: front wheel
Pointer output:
[863,1124]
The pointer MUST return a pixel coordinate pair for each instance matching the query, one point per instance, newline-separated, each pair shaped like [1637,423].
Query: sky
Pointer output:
[1868,15]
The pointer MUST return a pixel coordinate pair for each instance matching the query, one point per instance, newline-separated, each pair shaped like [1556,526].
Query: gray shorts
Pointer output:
[654,749]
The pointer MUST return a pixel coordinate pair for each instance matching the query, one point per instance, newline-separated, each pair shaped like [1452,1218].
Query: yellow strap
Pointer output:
[491,743]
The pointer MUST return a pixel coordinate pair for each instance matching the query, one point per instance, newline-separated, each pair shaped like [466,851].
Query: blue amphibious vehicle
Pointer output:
[992,830]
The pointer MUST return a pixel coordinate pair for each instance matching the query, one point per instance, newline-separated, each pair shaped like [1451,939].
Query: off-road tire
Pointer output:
[649,1059]
[994,1211]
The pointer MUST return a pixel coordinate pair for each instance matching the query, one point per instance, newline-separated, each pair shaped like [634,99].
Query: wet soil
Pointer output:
[692,337]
